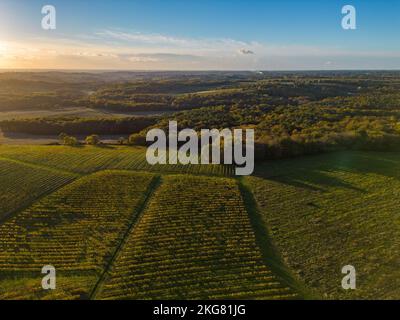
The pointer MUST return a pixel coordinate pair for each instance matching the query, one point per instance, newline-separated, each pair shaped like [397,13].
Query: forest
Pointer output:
[292,113]
[78,126]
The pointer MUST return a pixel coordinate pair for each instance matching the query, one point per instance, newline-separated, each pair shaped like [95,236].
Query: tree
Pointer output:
[92,140]
[137,139]
[70,141]
[62,137]
[121,141]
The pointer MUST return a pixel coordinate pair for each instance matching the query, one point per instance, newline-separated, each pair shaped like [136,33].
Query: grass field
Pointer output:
[115,227]
[328,211]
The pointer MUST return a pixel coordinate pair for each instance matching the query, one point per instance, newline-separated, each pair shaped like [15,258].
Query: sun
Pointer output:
[4,54]
[3,47]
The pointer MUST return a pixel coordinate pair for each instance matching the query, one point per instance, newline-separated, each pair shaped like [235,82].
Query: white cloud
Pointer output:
[116,49]
[165,41]
[141,38]
[142,59]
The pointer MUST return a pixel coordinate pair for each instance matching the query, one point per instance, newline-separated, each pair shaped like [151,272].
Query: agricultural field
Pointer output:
[76,229]
[116,228]
[194,240]
[325,212]
[21,184]
[70,287]
[87,159]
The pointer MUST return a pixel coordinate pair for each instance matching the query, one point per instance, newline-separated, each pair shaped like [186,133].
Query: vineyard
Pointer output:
[84,160]
[70,287]
[75,229]
[116,228]
[20,184]
[198,244]
[325,212]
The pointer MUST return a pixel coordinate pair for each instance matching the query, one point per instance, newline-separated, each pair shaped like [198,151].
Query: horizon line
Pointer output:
[4,70]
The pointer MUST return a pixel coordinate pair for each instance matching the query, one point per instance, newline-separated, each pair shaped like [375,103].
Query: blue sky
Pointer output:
[201,34]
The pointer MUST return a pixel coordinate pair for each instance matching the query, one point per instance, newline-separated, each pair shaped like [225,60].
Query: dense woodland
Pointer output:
[292,113]
[78,126]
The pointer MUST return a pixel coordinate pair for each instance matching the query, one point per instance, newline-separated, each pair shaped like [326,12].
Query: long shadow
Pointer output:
[313,172]
[270,254]
[313,180]
[294,183]
[383,163]
[104,146]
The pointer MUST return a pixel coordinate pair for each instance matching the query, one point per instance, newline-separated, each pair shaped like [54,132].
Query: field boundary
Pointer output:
[169,170]
[136,216]
[43,167]
[28,204]
[270,253]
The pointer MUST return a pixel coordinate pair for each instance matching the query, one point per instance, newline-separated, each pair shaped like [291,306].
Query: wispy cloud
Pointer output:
[137,37]
[121,49]
[170,42]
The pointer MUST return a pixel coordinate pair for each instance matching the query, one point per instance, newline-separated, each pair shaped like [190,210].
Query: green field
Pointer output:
[115,227]
[75,229]
[333,210]
[21,184]
[84,160]
[197,245]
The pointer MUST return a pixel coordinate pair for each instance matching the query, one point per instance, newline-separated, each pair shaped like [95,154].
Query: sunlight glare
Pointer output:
[3,47]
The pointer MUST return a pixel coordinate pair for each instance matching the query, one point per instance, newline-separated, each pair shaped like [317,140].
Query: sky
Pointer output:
[200,35]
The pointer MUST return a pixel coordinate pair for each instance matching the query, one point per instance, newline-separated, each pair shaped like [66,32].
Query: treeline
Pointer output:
[170,95]
[147,102]
[312,89]
[163,86]
[364,122]
[38,101]
[307,144]
[129,106]
[77,126]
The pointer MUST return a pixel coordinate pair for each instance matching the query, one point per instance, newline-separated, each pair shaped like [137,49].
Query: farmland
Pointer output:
[76,233]
[115,227]
[117,230]
[201,246]
[84,160]
[22,184]
[88,230]
[329,211]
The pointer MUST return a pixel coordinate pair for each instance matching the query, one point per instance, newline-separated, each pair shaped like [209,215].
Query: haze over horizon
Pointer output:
[180,35]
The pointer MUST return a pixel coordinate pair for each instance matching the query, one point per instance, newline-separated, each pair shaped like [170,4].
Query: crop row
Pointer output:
[21,184]
[325,212]
[194,240]
[75,229]
[91,159]
[68,287]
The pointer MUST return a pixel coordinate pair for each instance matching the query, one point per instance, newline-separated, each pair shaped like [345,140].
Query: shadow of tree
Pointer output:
[314,172]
